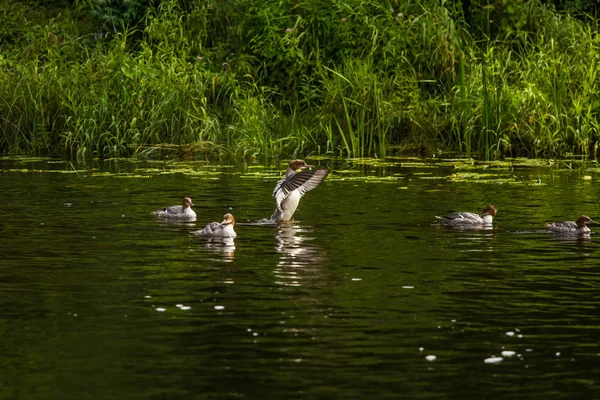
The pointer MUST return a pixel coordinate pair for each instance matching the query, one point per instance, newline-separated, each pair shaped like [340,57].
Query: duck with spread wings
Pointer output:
[289,190]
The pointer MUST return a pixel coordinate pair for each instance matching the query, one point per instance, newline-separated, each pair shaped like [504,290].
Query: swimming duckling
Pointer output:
[182,212]
[579,227]
[469,218]
[219,229]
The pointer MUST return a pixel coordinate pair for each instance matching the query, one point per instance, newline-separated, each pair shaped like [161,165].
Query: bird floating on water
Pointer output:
[468,218]
[182,212]
[578,227]
[219,229]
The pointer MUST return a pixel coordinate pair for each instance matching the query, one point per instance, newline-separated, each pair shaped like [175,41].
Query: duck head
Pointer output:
[228,220]
[187,202]
[298,165]
[585,220]
[489,210]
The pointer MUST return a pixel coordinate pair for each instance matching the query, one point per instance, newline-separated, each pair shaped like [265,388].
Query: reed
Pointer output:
[263,79]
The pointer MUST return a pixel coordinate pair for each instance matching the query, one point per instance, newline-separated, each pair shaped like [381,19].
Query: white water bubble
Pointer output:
[160,309]
[179,305]
[421,349]
[408,287]
[557,354]
[510,334]
[493,360]
[508,353]
[185,308]
[219,307]
[147,297]
[430,358]
[356,279]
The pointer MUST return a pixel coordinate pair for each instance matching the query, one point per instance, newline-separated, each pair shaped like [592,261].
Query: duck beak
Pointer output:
[305,166]
[226,222]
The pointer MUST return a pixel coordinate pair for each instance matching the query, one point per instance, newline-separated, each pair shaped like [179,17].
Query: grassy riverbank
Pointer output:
[252,77]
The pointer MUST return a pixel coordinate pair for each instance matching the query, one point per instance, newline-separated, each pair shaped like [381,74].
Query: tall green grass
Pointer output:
[255,78]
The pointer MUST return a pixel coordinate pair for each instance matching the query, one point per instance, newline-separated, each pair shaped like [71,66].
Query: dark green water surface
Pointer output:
[345,304]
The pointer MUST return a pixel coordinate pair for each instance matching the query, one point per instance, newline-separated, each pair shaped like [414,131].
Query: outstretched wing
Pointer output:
[302,182]
[278,187]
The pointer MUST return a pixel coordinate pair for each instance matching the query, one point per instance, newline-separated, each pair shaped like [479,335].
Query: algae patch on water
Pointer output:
[482,177]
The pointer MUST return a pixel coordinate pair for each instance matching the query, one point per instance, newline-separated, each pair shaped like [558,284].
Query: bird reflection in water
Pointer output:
[582,241]
[465,227]
[299,259]
[470,238]
[223,246]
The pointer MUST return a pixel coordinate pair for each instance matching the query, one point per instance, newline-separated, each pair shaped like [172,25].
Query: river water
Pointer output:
[363,297]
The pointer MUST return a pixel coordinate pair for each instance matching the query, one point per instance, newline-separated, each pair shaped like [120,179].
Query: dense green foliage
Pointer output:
[257,77]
